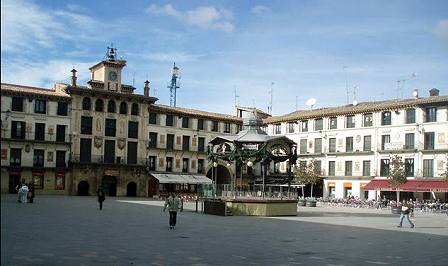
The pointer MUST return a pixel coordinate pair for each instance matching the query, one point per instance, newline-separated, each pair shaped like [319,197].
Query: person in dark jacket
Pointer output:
[101,197]
[405,211]
[31,194]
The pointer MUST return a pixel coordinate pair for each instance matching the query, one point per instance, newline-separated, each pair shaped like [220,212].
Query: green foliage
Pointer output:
[397,173]
[308,173]
[445,174]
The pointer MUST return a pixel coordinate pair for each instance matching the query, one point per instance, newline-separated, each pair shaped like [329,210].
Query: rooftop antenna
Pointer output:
[271,92]
[398,87]
[346,83]
[174,85]
[234,93]
[311,102]
[354,93]
[133,78]
[297,97]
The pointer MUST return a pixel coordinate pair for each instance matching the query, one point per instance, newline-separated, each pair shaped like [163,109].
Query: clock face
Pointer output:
[113,75]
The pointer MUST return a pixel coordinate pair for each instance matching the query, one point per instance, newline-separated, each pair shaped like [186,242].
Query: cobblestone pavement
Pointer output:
[58,230]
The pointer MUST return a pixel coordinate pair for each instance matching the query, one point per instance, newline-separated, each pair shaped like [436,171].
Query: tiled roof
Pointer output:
[33,90]
[194,113]
[362,107]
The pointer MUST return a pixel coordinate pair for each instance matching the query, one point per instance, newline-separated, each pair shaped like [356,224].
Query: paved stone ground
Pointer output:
[58,230]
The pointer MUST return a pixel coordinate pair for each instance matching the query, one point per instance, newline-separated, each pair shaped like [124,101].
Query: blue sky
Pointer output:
[301,47]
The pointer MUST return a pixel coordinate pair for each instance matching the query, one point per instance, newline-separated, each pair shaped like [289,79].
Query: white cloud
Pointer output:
[203,17]
[260,10]
[170,57]
[440,31]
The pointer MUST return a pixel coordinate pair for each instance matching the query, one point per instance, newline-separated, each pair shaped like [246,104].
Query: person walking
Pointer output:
[23,192]
[405,210]
[101,197]
[173,204]
[31,194]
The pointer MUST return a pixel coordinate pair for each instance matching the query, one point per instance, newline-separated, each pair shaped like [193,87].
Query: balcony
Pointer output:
[31,137]
[100,159]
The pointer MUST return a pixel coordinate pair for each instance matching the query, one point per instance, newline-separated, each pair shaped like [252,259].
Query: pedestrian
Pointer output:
[31,194]
[405,210]
[101,197]
[23,192]
[173,204]
[19,194]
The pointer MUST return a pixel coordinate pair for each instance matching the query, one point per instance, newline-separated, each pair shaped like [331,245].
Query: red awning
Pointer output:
[411,186]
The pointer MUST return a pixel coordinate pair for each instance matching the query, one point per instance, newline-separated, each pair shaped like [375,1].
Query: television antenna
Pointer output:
[271,92]
[234,93]
[346,83]
[311,102]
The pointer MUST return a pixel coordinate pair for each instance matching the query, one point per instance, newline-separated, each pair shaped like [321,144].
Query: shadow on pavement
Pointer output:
[342,214]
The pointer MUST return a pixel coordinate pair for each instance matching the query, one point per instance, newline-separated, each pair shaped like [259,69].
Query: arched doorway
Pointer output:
[222,174]
[109,184]
[83,188]
[131,190]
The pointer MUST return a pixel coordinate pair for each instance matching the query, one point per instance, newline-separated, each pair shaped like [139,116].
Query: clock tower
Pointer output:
[106,75]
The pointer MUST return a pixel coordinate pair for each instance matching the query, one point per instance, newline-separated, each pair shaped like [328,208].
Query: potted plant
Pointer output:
[302,201]
[308,174]
[311,202]
[397,176]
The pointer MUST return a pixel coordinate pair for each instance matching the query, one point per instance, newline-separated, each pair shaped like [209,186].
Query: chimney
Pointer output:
[434,92]
[73,78]
[415,93]
[146,89]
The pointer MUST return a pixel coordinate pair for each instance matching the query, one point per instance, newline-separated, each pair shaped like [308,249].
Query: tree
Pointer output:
[397,173]
[308,174]
[445,174]
[300,175]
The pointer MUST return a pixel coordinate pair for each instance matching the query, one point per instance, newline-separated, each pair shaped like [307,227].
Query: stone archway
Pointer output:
[223,174]
[109,184]
[83,188]
[131,189]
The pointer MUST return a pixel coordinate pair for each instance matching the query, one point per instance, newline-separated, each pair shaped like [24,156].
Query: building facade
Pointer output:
[353,144]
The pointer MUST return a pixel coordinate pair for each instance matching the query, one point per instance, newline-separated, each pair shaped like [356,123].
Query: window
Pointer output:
[319,166]
[215,126]
[349,144]
[111,127]
[185,163]
[386,118]
[431,114]
[410,116]
[318,124]
[318,145]
[85,150]
[368,120]
[200,165]
[99,105]
[239,128]
[152,163]
[332,145]
[200,124]
[60,133]
[62,108]
[409,167]
[409,141]
[153,118]
[60,181]
[384,171]
[123,108]
[333,122]
[227,128]
[18,130]
[15,157]
[153,140]
[303,146]
[38,159]
[429,140]
[384,140]
[86,125]
[132,152]
[169,164]
[331,168]
[38,180]
[169,120]
[350,121]
[40,107]
[428,168]
[133,130]
[111,106]
[278,129]
[185,122]
[170,141]
[186,143]
[134,109]
[305,126]
[39,131]
[60,159]
[367,143]
[291,127]
[201,145]
[366,168]
[86,102]
[348,168]
[17,104]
